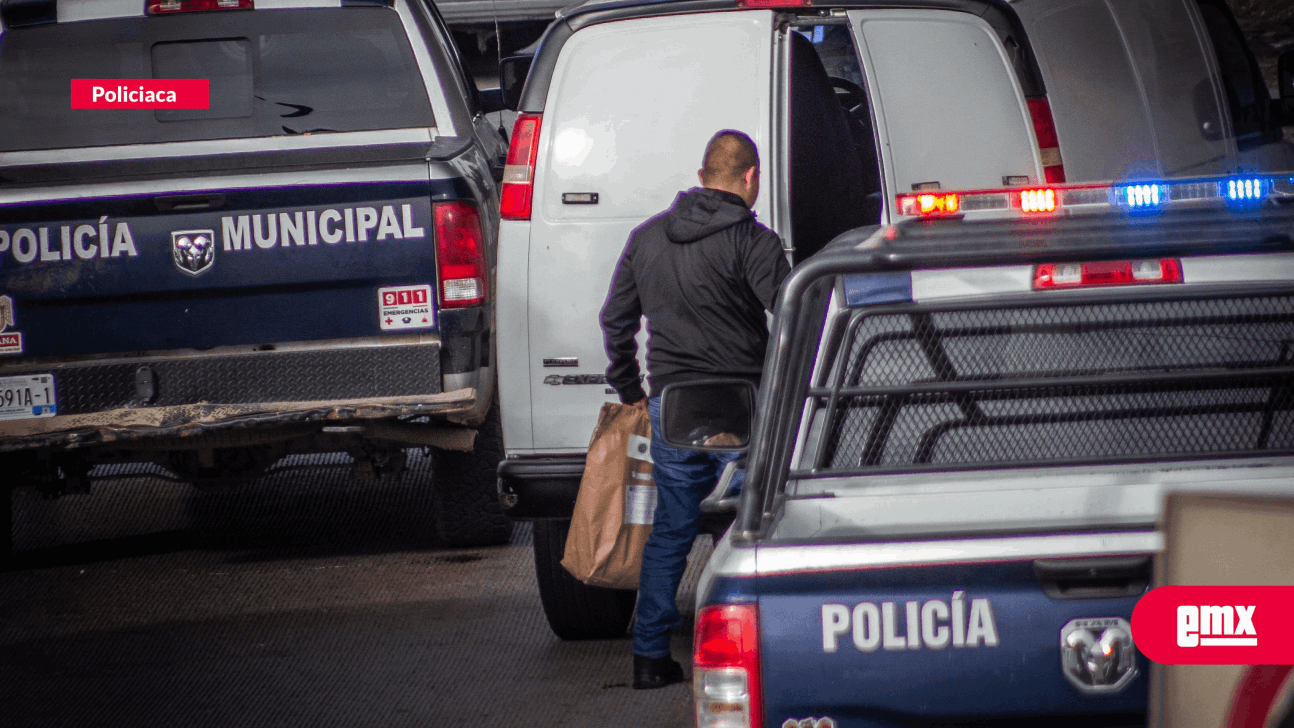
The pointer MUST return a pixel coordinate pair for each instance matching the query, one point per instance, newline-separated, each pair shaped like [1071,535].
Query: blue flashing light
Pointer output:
[1142,196]
[1246,189]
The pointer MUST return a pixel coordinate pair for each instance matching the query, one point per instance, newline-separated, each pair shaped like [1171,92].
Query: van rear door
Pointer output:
[631,107]
[946,100]
[1130,89]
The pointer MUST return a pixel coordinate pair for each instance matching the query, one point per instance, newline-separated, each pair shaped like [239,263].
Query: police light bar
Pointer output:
[1022,199]
[1106,273]
[161,7]
[1247,190]
[1237,192]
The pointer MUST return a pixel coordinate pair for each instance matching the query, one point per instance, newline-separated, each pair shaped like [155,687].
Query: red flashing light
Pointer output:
[519,168]
[725,667]
[1041,200]
[1107,273]
[161,7]
[928,204]
[460,254]
[1044,129]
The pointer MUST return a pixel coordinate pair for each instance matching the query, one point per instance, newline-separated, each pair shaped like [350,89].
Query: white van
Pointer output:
[849,103]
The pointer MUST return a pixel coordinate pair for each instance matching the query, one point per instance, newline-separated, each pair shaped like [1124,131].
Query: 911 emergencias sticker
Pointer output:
[10,341]
[405,307]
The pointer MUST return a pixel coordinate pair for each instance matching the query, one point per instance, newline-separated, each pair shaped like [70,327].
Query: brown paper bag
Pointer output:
[616,502]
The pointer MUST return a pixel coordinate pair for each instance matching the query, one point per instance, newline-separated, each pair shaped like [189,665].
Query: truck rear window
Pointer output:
[271,72]
[918,388]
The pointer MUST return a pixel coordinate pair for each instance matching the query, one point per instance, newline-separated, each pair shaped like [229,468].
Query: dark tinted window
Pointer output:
[1247,96]
[272,73]
[227,64]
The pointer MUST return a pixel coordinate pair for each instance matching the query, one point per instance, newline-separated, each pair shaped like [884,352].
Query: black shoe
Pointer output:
[656,672]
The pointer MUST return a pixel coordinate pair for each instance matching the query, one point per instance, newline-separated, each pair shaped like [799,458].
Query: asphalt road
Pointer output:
[310,599]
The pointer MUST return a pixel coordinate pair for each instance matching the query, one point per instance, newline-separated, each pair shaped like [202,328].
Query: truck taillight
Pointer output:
[1107,273]
[725,667]
[1044,128]
[460,254]
[159,7]
[519,169]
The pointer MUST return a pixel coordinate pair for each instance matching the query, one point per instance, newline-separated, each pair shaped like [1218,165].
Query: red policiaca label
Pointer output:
[140,93]
[1216,625]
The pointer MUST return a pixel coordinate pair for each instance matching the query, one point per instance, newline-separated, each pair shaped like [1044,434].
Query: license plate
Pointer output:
[27,396]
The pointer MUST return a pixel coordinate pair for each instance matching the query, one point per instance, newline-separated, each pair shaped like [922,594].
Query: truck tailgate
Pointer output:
[953,641]
[251,263]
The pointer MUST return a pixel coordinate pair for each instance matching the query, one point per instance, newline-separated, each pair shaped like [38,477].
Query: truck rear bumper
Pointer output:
[154,426]
[175,395]
[540,487]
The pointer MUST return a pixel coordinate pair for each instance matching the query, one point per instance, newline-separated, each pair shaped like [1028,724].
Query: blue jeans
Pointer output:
[683,478]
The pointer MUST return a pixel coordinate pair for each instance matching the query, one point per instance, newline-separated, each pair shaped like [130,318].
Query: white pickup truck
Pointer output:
[850,103]
[959,454]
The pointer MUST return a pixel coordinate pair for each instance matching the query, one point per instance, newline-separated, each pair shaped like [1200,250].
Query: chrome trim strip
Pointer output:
[421,31]
[410,172]
[1238,268]
[486,11]
[771,560]
[70,11]
[933,285]
[779,148]
[284,4]
[215,147]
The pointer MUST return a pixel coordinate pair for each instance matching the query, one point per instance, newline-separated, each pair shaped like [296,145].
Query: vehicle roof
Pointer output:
[1175,232]
[998,13]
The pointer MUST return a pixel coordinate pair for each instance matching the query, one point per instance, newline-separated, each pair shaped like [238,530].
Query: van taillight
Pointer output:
[460,254]
[725,667]
[1107,273]
[157,7]
[519,169]
[1044,128]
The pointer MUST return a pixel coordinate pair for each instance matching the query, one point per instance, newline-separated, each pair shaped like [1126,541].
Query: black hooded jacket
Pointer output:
[702,272]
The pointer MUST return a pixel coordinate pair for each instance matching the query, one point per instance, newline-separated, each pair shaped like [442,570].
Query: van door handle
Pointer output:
[179,203]
[1103,577]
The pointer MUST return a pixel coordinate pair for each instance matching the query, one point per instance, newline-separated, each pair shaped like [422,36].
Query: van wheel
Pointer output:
[575,610]
[465,489]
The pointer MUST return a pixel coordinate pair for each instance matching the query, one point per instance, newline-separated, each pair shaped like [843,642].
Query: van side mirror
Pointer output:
[512,77]
[1285,83]
[708,414]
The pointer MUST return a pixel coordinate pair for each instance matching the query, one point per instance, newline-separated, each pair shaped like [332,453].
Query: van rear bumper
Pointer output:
[540,487]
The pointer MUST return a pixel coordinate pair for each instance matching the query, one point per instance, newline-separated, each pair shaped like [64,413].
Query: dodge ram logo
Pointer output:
[1097,655]
[193,250]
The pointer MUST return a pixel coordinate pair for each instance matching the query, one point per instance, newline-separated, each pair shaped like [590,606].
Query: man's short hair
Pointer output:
[727,157]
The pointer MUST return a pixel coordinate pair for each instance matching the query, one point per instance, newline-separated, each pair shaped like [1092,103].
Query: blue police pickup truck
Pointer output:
[958,455]
[305,265]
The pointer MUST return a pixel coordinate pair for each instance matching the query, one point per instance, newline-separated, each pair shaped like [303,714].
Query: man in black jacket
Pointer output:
[703,273]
